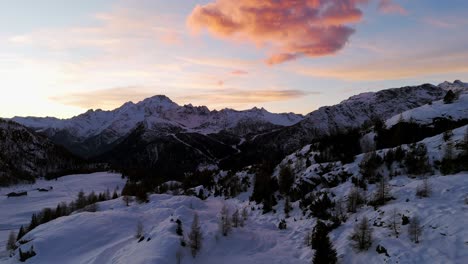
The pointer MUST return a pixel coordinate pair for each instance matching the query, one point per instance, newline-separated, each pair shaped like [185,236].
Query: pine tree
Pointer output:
[179,230]
[195,236]
[80,200]
[34,222]
[225,222]
[361,237]
[465,143]
[324,252]
[287,206]
[115,195]
[320,230]
[11,243]
[286,179]
[416,160]
[21,233]
[282,224]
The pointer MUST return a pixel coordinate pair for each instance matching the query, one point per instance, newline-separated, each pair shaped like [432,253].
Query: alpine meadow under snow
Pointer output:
[379,178]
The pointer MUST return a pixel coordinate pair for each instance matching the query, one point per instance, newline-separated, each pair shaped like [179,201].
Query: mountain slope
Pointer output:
[26,155]
[359,110]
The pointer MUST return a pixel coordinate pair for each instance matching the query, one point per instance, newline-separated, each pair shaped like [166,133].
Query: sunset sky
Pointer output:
[60,58]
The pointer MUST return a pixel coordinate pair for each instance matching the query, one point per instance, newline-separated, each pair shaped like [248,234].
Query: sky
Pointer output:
[60,58]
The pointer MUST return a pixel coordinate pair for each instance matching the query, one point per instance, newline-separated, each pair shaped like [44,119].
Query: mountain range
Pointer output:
[163,138]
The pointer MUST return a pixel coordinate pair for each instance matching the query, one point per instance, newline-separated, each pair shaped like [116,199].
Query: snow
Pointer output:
[444,237]
[426,113]
[17,211]
[107,236]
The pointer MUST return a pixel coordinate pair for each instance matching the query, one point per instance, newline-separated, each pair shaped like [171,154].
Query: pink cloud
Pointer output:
[288,29]
[390,7]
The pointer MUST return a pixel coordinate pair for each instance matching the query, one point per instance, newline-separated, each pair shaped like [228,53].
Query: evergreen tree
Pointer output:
[320,230]
[23,256]
[195,236]
[361,237]
[324,251]
[34,222]
[58,211]
[80,202]
[287,206]
[141,194]
[320,206]
[448,163]
[21,233]
[179,230]
[265,186]
[369,166]
[416,160]
[286,179]
[115,195]
[11,243]
[282,224]
[465,144]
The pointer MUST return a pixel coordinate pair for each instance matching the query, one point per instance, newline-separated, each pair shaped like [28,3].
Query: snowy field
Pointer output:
[17,211]
[108,235]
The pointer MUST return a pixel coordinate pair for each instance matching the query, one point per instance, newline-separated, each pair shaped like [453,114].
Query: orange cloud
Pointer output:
[289,29]
[389,7]
[239,72]
[239,97]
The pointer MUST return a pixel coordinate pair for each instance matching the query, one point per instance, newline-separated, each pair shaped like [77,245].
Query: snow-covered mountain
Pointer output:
[353,113]
[94,130]
[455,86]
[26,155]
